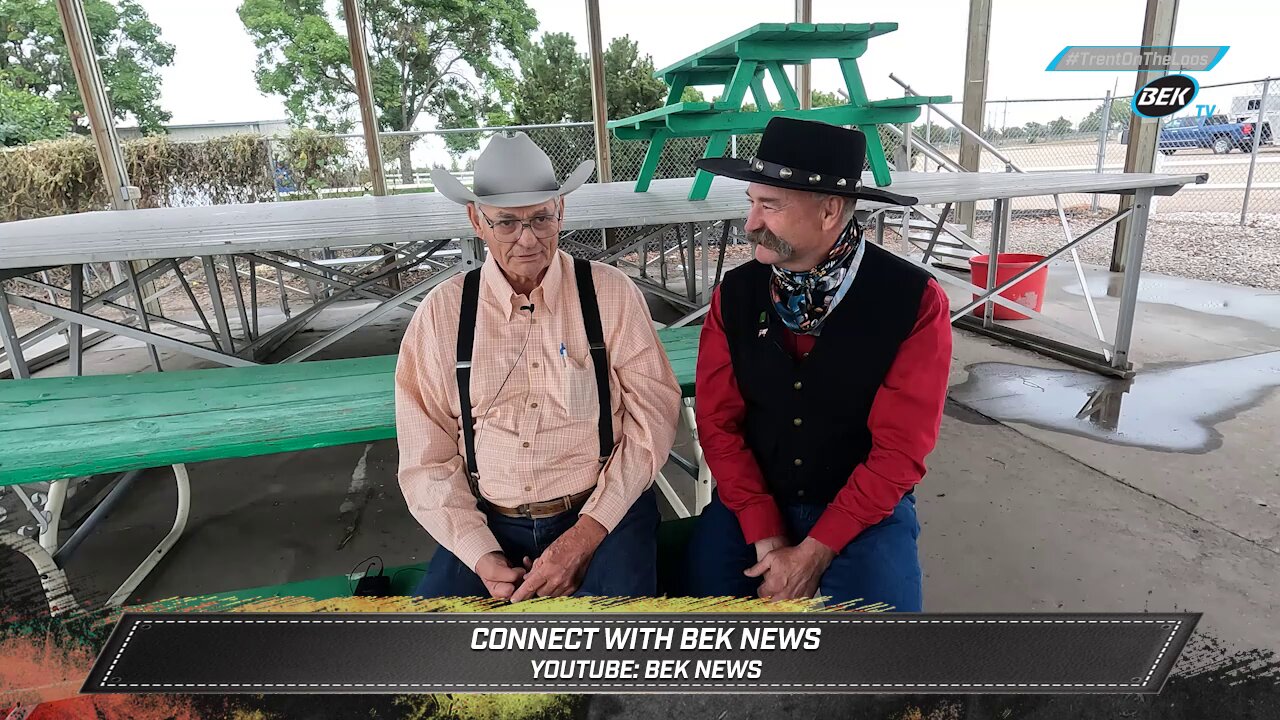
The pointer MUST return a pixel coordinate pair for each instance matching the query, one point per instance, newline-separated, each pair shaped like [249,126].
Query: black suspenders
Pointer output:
[599,358]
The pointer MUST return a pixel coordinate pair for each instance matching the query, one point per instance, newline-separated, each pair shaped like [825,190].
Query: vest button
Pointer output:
[799,462]
[798,385]
[797,422]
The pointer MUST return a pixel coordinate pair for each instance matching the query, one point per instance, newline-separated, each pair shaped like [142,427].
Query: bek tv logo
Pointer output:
[1165,96]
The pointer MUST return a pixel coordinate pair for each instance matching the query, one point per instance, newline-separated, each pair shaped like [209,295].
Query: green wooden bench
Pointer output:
[52,429]
[738,64]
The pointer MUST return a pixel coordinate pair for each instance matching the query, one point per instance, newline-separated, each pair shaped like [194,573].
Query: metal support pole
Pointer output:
[1140,156]
[928,132]
[143,316]
[1104,127]
[75,338]
[998,229]
[271,169]
[284,292]
[219,308]
[706,263]
[975,96]
[253,295]
[364,94]
[12,344]
[903,163]
[135,579]
[97,106]
[186,286]
[1253,152]
[599,105]
[99,513]
[690,268]
[239,296]
[1137,227]
[804,71]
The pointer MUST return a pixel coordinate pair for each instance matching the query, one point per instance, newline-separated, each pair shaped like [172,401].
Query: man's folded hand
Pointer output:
[498,576]
[792,572]
[558,572]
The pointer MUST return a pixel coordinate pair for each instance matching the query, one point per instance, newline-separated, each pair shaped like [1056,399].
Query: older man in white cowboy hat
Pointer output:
[534,403]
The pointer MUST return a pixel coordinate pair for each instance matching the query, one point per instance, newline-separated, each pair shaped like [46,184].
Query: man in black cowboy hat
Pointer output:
[822,372]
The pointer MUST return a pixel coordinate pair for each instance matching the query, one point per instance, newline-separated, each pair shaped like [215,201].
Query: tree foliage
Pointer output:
[1120,113]
[448,60]
[817,99]
[34,58]
[1061,126]
[555,82]
[26,117]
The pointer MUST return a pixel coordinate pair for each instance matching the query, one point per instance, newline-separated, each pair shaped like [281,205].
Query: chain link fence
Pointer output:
[1236,210]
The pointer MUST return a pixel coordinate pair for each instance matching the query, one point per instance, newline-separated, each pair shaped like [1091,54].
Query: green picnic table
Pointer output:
[738,64]
[57,428]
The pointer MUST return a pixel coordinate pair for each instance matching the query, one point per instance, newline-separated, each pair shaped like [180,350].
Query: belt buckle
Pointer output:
[525,511]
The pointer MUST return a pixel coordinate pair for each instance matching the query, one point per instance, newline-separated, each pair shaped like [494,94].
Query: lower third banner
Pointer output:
[639,652]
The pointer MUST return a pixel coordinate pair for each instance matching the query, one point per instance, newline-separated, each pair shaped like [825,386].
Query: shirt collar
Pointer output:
[546,295]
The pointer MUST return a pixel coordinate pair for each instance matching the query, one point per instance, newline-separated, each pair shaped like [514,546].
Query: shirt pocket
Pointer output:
[578,388]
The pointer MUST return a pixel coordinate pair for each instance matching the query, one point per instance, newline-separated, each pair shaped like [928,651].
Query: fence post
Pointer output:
[271,168]
[1104,128]
[1253,153]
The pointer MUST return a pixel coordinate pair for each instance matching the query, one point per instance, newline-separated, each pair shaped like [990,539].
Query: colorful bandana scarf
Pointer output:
[804,300]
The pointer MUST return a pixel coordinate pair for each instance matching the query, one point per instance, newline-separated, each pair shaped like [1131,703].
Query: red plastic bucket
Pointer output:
[1028,291]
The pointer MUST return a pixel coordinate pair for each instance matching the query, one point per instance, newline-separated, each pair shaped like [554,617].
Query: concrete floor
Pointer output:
[1018,515]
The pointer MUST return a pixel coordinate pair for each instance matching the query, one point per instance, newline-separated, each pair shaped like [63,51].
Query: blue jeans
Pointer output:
[625,563]
[880,565]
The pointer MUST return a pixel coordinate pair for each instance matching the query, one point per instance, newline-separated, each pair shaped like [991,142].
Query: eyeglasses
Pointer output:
[510,230]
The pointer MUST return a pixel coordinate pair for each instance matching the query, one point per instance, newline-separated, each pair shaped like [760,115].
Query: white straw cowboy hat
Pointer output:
[511,172]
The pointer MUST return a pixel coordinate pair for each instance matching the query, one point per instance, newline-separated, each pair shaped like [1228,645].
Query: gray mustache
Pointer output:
[766,238]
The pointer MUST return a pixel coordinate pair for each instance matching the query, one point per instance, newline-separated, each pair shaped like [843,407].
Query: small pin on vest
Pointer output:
[764,326]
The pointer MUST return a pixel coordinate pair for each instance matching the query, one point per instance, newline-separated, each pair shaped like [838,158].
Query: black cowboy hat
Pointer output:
[810,156]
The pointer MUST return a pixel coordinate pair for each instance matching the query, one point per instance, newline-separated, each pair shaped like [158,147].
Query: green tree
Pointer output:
[555,82]
[692,94]
[26,117]
[820,99]
[447,60]
[1119,116]
[817,99]
[1013,133]
[1061,126]
[34,57]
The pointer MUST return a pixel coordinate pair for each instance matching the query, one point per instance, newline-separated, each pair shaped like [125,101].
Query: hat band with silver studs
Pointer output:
[816,181]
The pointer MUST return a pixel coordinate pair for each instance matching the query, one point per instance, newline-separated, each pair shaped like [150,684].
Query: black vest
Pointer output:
[806,420]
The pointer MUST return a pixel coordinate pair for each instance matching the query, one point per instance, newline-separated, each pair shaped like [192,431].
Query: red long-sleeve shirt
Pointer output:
[904,420]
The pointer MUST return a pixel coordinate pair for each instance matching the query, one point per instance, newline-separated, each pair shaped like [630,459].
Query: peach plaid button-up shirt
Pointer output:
[535,409]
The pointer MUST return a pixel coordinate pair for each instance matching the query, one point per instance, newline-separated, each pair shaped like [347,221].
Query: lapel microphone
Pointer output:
[528,307]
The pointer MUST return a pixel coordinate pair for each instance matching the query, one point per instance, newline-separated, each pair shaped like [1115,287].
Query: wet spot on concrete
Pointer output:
[960,412]
[1170,409]
[1232,301]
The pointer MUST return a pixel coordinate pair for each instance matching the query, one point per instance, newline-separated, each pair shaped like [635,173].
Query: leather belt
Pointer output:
[545,508]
